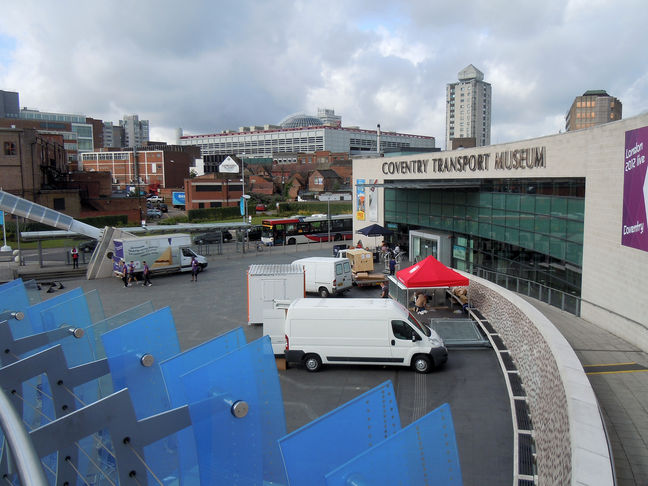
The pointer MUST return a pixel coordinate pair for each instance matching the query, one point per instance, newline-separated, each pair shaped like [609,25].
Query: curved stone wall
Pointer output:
[571,446]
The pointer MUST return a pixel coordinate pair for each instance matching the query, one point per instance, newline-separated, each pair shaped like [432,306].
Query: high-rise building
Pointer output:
[329,117]
[77,130]
[593,108]
[9,104]
[468,108]
[136,131]
[112,135]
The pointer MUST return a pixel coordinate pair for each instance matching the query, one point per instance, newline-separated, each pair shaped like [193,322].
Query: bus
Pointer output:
[297,229]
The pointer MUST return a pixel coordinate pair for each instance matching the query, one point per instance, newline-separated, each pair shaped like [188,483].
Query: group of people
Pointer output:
[128,276]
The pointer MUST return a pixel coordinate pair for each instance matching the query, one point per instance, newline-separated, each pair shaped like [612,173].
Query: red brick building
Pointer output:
[158,168]
[213,191]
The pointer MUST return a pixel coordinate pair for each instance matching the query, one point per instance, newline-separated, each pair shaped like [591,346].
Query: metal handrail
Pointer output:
[484,272]
[27,462]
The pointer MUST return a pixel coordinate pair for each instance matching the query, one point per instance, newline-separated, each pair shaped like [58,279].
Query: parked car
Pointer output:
[163,207]
[87,246]
[212,237]
[155,199]
[260,207]
[153,213]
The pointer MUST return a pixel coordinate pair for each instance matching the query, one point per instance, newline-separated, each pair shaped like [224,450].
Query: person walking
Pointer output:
[131,273]
[147,274]
[384,290]
[194,269]
[392,266]
[75,257]
[123,271]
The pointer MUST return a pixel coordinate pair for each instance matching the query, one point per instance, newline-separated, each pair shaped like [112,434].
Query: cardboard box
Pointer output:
[361,260]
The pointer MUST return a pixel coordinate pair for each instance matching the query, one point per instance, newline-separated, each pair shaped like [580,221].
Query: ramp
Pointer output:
[101,263]
[459,333]
[35,212]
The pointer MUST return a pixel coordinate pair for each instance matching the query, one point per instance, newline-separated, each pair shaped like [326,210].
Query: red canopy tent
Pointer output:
[430,272]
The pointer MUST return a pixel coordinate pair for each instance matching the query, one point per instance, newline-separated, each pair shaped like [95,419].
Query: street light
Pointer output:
[245,197]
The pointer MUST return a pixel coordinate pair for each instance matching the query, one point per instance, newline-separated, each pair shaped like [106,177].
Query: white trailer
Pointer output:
[267,283]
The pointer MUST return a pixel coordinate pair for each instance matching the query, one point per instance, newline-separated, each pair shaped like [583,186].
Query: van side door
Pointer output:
[401,340]
[343,278]
[186,254]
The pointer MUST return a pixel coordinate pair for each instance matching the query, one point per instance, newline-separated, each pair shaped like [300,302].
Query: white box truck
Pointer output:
[359,331]
[326,275]
[163,253]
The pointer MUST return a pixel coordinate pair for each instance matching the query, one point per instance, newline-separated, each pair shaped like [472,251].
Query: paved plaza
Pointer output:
[470,382]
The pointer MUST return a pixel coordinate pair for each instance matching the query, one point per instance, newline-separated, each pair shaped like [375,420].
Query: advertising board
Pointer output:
[634,229]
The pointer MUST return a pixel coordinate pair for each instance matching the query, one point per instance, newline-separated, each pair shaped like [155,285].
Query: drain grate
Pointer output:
[508,362]
[525,454]
[522,415]
[499,343]
[478,314]
[488,327]
[516,385]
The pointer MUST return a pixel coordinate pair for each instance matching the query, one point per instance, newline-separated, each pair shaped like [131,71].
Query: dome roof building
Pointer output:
[300,120]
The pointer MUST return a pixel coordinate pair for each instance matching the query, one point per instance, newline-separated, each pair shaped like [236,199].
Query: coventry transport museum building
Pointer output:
[561,218]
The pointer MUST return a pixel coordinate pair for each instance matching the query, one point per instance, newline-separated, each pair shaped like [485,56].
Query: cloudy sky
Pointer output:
[208,66]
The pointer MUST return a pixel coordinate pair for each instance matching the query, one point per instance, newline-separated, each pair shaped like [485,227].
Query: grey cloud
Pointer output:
[209,66]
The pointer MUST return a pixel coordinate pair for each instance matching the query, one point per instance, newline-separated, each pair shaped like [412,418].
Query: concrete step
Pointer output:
[48,274]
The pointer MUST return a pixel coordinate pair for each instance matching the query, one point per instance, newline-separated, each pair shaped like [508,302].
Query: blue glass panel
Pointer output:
[238,450]
[312,451]
[172,371]
[11,284]
[125,346]
[38,408]
[424,452]
[181,364]
[14,298]
[74,313]
[34,312]
[33,291]
[113,322]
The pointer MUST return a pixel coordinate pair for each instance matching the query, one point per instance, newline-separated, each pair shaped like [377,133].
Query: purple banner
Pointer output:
[634,232]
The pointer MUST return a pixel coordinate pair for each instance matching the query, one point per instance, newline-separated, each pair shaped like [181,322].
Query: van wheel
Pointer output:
[323,292]
[312,362]
[292,241]
[422,364]
[337,237]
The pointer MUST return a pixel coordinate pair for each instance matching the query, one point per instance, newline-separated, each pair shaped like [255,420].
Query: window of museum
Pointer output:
[9,148]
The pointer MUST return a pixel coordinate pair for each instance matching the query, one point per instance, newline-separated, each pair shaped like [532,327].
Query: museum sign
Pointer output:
[508,160]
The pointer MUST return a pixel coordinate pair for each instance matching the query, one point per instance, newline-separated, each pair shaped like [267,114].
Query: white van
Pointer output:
[359,331]
[326,275]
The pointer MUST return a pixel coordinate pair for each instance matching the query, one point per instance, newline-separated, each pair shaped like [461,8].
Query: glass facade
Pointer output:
[526,228]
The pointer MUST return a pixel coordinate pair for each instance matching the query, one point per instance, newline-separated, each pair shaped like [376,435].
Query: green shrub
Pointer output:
[103,221]
[209,214]
[313,207]
[174,220]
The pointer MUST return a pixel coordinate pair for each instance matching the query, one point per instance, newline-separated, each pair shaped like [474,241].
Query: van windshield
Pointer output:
[421,327]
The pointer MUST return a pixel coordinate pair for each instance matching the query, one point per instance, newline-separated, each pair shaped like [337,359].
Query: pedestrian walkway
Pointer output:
[621,388]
